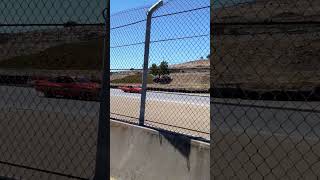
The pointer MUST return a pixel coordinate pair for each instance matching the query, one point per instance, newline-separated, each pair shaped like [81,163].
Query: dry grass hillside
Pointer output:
[37,41]
[191,75]
[267,56]
[202,63]
[268,10]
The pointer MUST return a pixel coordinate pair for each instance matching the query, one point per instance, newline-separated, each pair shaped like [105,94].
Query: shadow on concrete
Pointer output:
[180,142]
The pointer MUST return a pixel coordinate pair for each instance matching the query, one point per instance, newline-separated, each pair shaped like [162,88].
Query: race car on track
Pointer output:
[66,86]
[131,88]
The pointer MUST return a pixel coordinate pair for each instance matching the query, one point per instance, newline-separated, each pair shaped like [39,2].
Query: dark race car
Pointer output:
[65,86]
[163,79]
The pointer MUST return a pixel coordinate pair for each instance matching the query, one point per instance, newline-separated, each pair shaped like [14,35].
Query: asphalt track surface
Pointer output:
[44,137]
[300,119]
[25,98]
[281,118]
[28,98]
[54,133]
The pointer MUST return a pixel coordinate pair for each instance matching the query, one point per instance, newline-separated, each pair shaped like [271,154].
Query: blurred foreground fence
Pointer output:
[176,66]
[265,79]
[46,131]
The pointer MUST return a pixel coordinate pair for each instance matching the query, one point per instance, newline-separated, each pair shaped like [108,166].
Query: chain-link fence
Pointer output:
[50,71]
[176,66]
[265,89]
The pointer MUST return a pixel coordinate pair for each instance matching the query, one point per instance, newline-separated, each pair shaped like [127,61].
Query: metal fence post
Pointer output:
[146,61]
[102,169]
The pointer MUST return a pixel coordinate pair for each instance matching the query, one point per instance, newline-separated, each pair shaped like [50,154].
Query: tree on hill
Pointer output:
[208,57]
[154,70]
[164,68]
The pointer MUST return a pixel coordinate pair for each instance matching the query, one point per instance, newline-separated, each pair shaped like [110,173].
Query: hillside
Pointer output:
[202,63]
[36,41]
[267,56]
[85,55]
[268,11]
[78,52]
[84,58]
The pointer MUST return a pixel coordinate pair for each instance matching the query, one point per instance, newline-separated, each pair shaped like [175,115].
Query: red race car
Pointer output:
[65,86]
[131,88]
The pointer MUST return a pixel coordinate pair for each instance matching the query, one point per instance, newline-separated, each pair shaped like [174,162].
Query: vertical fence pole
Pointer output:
[146,61]
[102,169]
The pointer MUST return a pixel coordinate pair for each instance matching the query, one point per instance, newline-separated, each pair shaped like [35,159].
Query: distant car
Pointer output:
[163,79]
[65,86]
[131,88]
[156,79]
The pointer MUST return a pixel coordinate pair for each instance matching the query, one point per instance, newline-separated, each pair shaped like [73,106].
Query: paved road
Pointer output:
[28,98]
[283,118]
[45,137]
[60,134]
[126,104]
[269,137]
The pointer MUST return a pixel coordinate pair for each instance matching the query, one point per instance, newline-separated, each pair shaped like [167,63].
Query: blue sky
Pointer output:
[89,11]
[183,26]
[120,5]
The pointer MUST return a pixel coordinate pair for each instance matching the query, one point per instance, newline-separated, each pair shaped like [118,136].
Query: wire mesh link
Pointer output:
[181,38]
[126,58]
[265,98]
[177,95]
[50,73]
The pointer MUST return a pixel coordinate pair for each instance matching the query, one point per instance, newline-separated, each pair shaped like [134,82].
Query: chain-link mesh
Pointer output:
[265,82]
[50,71]
[126,58]
[178,75]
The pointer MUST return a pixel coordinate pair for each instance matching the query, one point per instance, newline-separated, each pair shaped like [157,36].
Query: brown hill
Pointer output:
[202,63]
[269,10]
[267,56]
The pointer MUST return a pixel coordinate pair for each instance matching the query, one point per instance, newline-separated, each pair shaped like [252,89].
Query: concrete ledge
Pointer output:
[139,153]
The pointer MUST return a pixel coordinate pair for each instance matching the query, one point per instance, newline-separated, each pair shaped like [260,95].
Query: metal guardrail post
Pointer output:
[102,169]
[146,61]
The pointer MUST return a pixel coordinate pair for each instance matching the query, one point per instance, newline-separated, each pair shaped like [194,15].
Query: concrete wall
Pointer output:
[139,153]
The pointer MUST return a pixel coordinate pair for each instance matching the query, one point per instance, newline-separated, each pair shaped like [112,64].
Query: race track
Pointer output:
[176,112]
[282,118]
[55,132]
[60,135]
[186,113]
